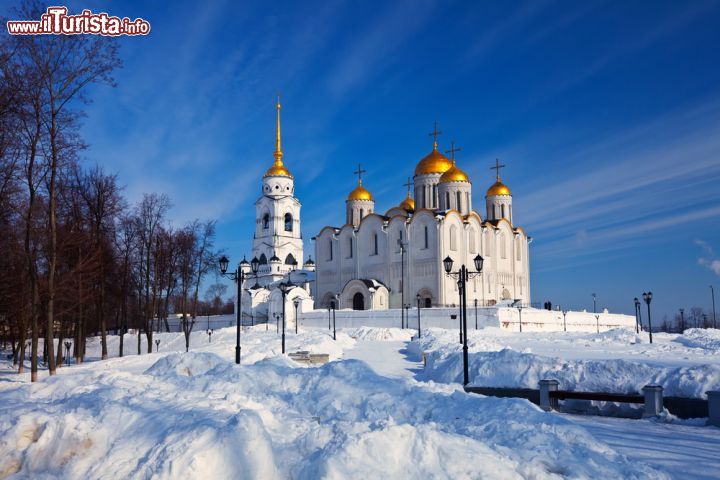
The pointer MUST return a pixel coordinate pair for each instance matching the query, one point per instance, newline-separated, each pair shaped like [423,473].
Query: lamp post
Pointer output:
[296,302]
[285,287]
[68,344]
[597,322]
[564,312]
[238,276]
[594,303]
[638,316]
[209,334]
[648,298]
[417,297]
[712,292]
[407,315]
[157,345]
[519,307]
[476,314]
[403,321]
[682,320]
[463,275]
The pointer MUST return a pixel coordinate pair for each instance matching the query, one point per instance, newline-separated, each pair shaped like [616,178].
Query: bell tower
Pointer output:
[277,242]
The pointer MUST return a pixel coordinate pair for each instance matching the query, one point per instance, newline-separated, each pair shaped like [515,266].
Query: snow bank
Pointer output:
[706,339]
[380,334]
[493,365]
[197,415]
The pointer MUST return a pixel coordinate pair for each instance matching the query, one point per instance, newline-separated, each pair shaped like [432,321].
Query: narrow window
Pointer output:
[459,202]
[288,222]
[361,213]
[453,238]
[434,195]
[350,246]
[447,200]
[331,250]
[424,198]
[266,221]
[518,251]
[502,210]
[375,244]
[503,246]
[471,240]
[425,232]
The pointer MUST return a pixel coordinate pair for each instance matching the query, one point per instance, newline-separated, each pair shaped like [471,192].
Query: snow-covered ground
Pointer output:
[619,360]
[365,415]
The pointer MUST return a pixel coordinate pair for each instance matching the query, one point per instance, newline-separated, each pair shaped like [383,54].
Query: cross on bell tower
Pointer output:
[452,150]
[409,185]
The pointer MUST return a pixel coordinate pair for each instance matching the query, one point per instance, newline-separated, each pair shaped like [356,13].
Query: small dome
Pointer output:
[454,174]
[360,193]
[278,170]
[434,162]
[498,188]
[408,204]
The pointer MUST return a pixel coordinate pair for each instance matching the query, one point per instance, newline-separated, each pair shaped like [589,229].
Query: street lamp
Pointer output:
[296,302]
[403,322]
[519,307]
[68,344]
[712,292]
[463,275]
[157,345]
[648,298]
[417,297]
[286,287]
[564,312]
[597,322]
[476,314]
[209,334]
[638,316]
[682,320]
[238,276]
[594,302]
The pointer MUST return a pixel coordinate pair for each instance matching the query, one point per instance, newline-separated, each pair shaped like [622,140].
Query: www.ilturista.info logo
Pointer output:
[56,21]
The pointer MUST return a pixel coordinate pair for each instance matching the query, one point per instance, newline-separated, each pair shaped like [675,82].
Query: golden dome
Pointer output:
[278,170]
[498,188]
[360,193]
[454,174]
[408,204]
[434,162]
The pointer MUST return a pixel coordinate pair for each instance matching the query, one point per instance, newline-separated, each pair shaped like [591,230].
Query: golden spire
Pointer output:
[278,169]
[278,148]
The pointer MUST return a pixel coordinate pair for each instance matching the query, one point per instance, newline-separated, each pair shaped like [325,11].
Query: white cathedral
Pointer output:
[379,261]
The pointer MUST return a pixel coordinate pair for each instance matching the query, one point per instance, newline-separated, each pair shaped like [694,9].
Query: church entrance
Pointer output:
[358,301]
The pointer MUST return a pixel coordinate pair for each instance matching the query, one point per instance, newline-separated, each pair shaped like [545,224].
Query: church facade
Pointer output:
[381,261]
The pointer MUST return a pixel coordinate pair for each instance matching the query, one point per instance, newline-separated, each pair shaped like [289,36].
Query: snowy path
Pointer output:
[385,358]
[683,451]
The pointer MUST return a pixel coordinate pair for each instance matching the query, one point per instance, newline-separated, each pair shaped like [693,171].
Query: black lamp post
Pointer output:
[682,320]
[648,298]
[238,276]
[594,303]
[403,321]
[296,302]
[519,307]
[157,345]
[712,292]
[333,322]
[68,344]
[564,312]
[476,314]
[597,322]
[638,316]
[463,275]
[209,334]
[417,297]
[284,289]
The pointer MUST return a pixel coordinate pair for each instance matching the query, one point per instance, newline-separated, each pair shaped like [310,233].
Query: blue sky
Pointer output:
[607,116]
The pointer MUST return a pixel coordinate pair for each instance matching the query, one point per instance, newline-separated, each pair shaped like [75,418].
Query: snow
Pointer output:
[615,361]
[198,415]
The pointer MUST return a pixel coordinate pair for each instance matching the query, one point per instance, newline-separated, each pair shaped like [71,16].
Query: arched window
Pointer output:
[266,221]
[459,202]
[471,240]
[375,244]
[290,260]
[425,234]
[288,222]
[350,247]
[263,259]
[447,200]
[453,238]
[361,214]
[502,211]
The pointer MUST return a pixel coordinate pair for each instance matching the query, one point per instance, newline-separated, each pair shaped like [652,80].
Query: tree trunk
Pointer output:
[103,323]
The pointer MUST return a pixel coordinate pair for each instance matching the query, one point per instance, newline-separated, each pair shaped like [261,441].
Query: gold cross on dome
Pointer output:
[435,134]
[497,168]
[359,173]
[452,150]
[409,185]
